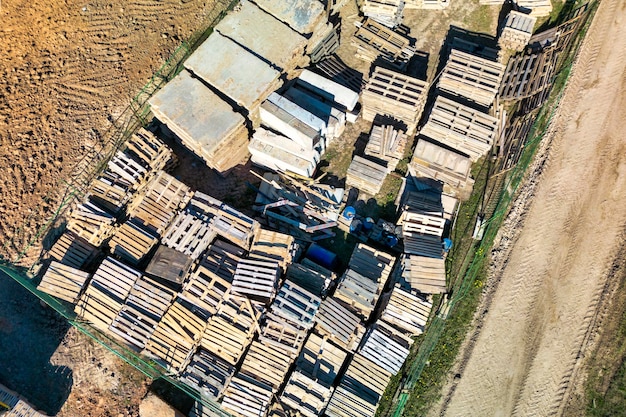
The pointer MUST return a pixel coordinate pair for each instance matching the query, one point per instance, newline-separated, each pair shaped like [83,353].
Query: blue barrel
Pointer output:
[391,241]
[322,256]
[349,212]
[368,223]
[447,244]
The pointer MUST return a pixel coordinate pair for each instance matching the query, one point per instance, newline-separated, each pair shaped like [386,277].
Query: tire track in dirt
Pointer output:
[528,341]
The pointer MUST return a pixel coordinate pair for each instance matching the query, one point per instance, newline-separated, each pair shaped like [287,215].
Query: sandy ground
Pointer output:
[555,251]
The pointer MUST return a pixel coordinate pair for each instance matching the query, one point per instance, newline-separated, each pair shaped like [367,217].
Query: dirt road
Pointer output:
[565,231]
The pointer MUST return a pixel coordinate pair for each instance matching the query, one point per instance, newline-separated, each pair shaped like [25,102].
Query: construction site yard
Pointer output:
[70,68]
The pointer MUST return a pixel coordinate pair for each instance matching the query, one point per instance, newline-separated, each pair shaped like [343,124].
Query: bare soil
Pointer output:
[554,256]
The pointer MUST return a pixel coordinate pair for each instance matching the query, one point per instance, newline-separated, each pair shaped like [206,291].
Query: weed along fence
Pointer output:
[229,308]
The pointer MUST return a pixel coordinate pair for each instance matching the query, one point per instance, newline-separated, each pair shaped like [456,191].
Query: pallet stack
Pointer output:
[375,41]
[247,397]
[208,374]
[365,175]
[385,347]
[372,263]
[461,127]
[281,332]
[338,324]
[472,77]
[63,282]
[159,202]
[230,223]
[132,241]
[266,363]
[143,309]
[221,259]
[295,304]
[90,222]
[129,170]
[451,168]
[386,12]
[105,295]
[256,279]
[360,390]
[426,275]
[150,151]
[392,94]
[205,289]
[406,311]
[110,192]
[72,250]
[517,31]
[388,144]
[315,281]
[321,360]
[273,246]
[304,395]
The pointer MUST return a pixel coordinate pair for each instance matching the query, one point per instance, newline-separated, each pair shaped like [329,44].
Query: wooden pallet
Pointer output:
[256,279]
[309,279]
[116,278]
[189,234]
[132,242]
[150,298]
[334,68]
[407,312]
[159,202]
[90,222]
[452,168]
[461,127]
[273,246]
[321,360]
[472,77]
[426,275]
[365,175]
[383,350]
[72,250]
[305,395]
[385,12]
[358,293]
[282,333]
[420,223]
[221,259]
[98,306]
[151,151]
[339,324]
[133,326]
[266,363]
[429,246]
[296,305]
[63,282]
[229,223]
[387,144]
[374,40]
[110,191]
[517,31]
[205,289]
[360,390]
[231,329]
[372,263]
[131,171]
[389,93]
[208,374]
[246,397]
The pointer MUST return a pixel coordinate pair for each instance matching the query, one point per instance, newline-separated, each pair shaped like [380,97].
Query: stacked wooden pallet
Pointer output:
[208,374]
[105,295]
[387,144]
[283,333]
[231,329]
[144,307]
[267,363]
[407,311]
[383,349]
[151,151]
[373,41]
[177,335]
[426,275]
[273,246]
[231,224]
[221,260]
[421,223]
[517,31]
[538,8]
[202,121]
[312,280]
[132,242]
[358,293]
[109,191]
[205,289]
[131,171]
[429,246]
[63,282]
[90,222]
[452,168]
[475,78]
[256,279]
[372,263]
[159,202]
[386,12]
[72,250]
[389,93]
[360,390]
[191,232]
[462,128]
[339,324]
[247,397]
[335,69]
[305,395]
[365,175]
[321,360]
[17,406]
[296,305]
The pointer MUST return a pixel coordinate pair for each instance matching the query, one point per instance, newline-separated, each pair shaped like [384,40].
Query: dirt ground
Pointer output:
[555,253]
